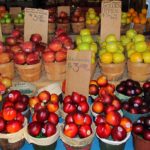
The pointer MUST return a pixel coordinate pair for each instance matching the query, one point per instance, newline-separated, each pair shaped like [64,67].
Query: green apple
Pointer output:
[90,10]
[97,18]
[20,15]
[110,38]
[146,57]
[140,46]
[103,44]
[78,39]
[92,15]
[21,21]
[8,20]
[83,46]
[101,52]
[123,15]
[123,21]
[3,21]
[120,48]
[87,38]
[130,52]
[93,47]
[7,15]
[129,45]
[131,33]
[125,40]
[85,32]
[16,21]
[139,38]
[111,47]
[118,57]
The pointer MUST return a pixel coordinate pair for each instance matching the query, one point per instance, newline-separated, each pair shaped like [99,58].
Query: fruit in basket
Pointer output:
[100,119]
[36,38]
[83,107]
[20,106]
[53,118]
[19,19]
[32,58]
[118,57]
[118,133]
[102,81]
[87,119]
[131,33]
[93,89]
[126,124]
[28,47]
[42,115]
[60,56]
[98,107]
[33,101]
[13,95]
[6,19]
[2,124]
[146,57]
[146,134]
[44,96]
[70,130]
[85,131]
[52,107]
[78,118]
[63,17]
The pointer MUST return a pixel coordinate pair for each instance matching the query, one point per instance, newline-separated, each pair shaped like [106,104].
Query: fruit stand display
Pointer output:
[116,107]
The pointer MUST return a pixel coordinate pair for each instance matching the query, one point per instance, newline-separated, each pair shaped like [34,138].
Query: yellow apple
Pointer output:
[118,57]
[106,58]
[146,57]
[136,57]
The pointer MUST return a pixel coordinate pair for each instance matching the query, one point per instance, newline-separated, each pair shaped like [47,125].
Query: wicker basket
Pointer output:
[7,70]
[19,27]
[7,28]
[138,71]
[139,28]
[64,26]
[93,28]
[93,68]
[55,71]
[51,27]
[125,28]
[76,27]
[77,143]
[47,143]
[113,71]
[13,141]
[29,73]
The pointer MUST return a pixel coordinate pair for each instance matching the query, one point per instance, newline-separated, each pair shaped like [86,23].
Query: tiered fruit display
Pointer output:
[6,19]
[111,51]
[136,46]
[125,19]
[112,125]
[44,100]
[75,103]
[91,17]
[141,127]
[3,11]
[137,18]
[63,17]
[85,42]
[129,88]
[106,100]
[19,19]
[78,125]
[77,16]
[58,47]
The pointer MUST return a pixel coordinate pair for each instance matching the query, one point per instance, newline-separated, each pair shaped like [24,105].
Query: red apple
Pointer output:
[32,58]
[63,14]
[39,106]
[53,118]
[76,97]
[48,56]
[83,107]
[85,131]
[138,128]
[78,118]
[2,47]
[93,89]
[28,47]
[2,124]
[87,119]
[36,38]
[81,19]
[16,33]
[69,118]
[116,102]
[67,99]
[20,106]
[42,115]
[61,56]
[100,119]
[102,81]
[55,45]
[146,134]
[109,108]
[20,58]
[69,108]
[13,96]
[11,41]
[16,49]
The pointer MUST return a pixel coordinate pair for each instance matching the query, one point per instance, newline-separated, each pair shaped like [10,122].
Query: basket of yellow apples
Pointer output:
[112,60]
[92,21]
[138,52]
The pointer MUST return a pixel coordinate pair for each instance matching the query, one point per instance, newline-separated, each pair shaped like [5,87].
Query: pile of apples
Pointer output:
[146,90]
[137,49]
[3,11]
[63,17]
[6,19]
[129,88]
[44,100]
[113,125]
[52,15]
[125,19]
[137,18]
[77,16]
[58,47]
[85,42]
[19,19]
[75,102]
[111,51]
[106,100]
[141,127]
[78,125]
[12,119]
[91,17]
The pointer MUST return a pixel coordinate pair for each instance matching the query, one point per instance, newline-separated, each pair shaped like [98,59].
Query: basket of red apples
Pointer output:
[141,133]
[77,132]
[54,56]
[12,125]
[77,20]
[63,21]
[73,103]
[52,20]
[113,130]
[43,131]
[44,100]
[128,88]
[28,59]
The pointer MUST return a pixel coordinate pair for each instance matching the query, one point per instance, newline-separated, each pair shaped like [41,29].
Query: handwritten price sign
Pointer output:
[78,72]
[36,21]
[110,18]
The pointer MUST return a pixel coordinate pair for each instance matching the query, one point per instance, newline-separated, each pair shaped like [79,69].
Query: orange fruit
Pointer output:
[143,20]
[54,98]
[136,20]
[98,107]
[93,82]
[52,107]
[136,57]
[128,14]
[144,11]
[126,124]
[135,14]
[131,10]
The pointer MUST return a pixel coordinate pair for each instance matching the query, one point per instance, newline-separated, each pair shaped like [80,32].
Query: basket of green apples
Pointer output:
[6,24]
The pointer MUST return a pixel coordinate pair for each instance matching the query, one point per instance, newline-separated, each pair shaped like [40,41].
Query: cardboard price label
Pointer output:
[36,21]
[110,18]
[14,11]
[78,72]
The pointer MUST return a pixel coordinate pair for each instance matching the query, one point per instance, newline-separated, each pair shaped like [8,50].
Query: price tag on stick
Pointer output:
[110,18]
[36,21]
[78,72]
